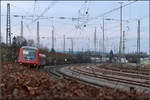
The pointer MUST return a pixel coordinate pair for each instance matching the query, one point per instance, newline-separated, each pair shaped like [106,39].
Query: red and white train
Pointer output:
[30,55]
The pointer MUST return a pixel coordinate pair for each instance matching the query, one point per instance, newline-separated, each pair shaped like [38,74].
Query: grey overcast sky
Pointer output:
[83,38]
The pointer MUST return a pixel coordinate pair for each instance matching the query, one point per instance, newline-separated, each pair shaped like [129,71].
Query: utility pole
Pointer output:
[64,43]
[123,42]
[149,47]
[0,54]
[52,37]
[72,44]
[88,44]
[38,36]
[95,41]
[103,40]
[0,38]
[120,46]
[21,31]
[8,33]
[71,39]
[149,38]
[99,47]
[138,43]
[8,26]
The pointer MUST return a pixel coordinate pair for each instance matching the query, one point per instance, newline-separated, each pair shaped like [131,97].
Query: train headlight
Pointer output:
[65,59]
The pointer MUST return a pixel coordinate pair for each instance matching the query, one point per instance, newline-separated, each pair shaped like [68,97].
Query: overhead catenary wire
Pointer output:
[45,10]
[97,16]
[60,18]
[64,18]
[110,11]
[36,7]
[18,8]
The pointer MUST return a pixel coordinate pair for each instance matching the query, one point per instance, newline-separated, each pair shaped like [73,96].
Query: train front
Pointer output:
[28,55]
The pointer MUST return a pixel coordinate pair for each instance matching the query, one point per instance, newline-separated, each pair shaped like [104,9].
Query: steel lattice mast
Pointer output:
[8,26]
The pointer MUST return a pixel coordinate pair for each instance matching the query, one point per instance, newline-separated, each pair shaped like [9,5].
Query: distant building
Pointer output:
[95,59]
[123,60]
[144,61]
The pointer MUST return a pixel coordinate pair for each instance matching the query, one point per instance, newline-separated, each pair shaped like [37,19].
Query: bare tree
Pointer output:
[30,42]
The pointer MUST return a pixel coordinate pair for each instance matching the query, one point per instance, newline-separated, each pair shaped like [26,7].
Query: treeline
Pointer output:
[11,53]
[57,58]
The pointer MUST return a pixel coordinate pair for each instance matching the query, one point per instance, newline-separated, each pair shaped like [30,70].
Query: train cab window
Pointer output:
[28,54]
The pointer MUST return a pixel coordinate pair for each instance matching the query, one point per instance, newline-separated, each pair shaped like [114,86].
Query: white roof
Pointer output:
[30,47]
[42,55]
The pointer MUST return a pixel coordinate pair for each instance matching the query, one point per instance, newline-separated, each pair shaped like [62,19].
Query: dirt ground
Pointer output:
[20,82]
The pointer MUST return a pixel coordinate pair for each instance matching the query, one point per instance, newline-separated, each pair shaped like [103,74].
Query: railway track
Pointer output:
[135,70]
[51,70]
[88,71]
[56,74]
[119,73]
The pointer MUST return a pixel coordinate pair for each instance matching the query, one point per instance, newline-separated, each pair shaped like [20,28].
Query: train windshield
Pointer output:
[29,54]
